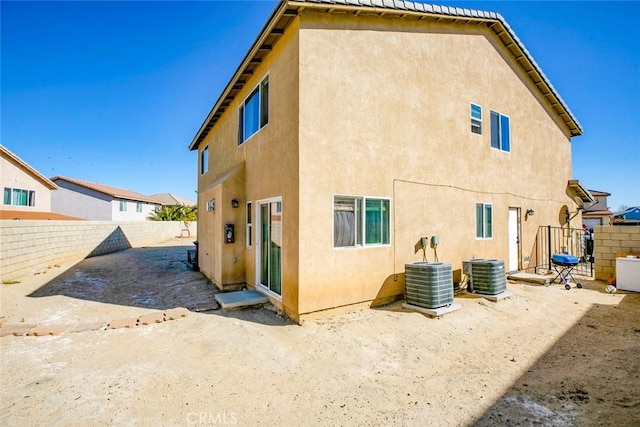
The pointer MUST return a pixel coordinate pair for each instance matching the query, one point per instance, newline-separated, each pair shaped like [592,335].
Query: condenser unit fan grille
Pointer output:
[488,277]
[429,284]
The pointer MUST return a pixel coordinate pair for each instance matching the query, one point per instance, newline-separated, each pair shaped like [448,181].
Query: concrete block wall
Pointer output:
[612,239]
[29,246]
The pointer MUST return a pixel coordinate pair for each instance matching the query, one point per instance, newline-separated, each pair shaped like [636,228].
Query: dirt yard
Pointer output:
[545,356]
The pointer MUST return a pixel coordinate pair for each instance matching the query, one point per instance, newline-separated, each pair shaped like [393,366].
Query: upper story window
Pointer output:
[476,119]
[500,132]
[19,197]
[138,206]
[360,219]
[484,220]
[204,160]
[123,205]
[254,111]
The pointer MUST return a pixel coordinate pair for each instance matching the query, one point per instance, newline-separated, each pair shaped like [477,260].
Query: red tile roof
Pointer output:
[115,192]
[599,193]
[31,215]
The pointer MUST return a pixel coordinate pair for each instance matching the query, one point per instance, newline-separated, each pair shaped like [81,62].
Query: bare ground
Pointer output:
[545,356]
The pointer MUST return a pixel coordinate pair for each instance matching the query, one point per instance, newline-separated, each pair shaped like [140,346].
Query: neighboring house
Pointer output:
[168,199]
[99,202]
[348,132]
[598,213]
[629,216]
[26,193]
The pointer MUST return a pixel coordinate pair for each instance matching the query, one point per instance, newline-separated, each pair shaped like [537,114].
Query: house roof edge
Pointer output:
[408,7]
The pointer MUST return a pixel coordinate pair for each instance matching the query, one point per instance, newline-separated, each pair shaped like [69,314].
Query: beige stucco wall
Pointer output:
[269,168]
[13,176]
[384,111]
[379,107]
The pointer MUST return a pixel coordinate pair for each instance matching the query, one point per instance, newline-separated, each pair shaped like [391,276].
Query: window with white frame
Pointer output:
[123,205]
[19,197]
[500,132]
[138,206]
[204,160]
[360,221]
[254,111]
[249,226]
[484,220]
[476,118]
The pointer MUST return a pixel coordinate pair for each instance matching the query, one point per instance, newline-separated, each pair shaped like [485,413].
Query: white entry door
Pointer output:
[514,239]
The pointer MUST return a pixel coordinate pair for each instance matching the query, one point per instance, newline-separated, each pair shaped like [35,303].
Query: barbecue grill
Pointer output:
[563,264]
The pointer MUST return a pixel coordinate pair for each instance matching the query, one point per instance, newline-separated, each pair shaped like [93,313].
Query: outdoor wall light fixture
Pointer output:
[235,203]
[530,212]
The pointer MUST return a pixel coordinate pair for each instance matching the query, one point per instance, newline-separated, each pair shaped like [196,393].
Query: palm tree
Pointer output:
[175,213]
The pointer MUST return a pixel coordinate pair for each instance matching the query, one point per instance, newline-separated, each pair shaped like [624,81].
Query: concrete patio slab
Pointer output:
[529,277]
[498,297]
[240,299]
[433,312]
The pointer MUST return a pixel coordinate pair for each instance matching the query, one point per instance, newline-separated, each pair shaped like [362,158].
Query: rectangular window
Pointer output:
[254,111]
[476,119]
[204,160]
[353,225]
[484,220]
[249,226]
[123,205]
[138,206]
[500,132]
[19,197]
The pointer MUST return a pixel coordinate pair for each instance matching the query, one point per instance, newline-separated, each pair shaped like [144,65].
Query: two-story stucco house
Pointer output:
[100,202]
[26,193]
[597,213]
[352,129]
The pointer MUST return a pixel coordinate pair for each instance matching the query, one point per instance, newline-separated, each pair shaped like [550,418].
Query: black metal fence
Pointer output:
[555,240]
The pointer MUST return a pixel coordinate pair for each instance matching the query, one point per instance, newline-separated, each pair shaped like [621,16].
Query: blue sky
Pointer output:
[113,92]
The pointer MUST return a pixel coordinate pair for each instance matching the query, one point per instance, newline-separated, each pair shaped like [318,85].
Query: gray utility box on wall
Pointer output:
[486,276]
[429,284]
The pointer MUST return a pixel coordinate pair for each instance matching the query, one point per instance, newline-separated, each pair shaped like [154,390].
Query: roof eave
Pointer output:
[262,35]
[43,179]
[500,26]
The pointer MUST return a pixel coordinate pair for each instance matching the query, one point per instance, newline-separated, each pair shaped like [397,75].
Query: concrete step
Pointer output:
[240,299]
[529,277]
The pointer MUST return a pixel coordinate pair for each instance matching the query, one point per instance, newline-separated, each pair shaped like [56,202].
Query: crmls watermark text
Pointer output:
[212,418]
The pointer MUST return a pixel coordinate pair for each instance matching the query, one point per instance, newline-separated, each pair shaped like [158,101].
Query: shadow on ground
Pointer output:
[590,376]
[150,277]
